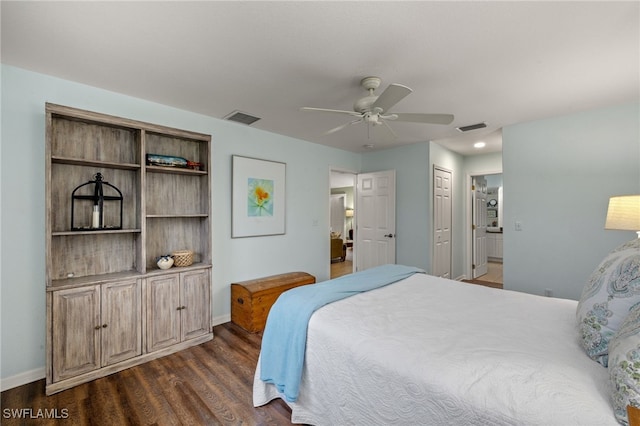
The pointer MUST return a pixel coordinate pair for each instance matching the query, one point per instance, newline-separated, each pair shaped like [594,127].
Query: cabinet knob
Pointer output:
[178,308]
[183,307]
[240,301]
[104,325]
[97,327]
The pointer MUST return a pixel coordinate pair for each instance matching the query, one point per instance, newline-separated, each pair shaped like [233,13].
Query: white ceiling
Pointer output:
[494,62]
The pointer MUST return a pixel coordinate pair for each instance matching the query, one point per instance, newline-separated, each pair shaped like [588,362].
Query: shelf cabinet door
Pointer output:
[121,321]
[76,331]
[163,313]
[194,296]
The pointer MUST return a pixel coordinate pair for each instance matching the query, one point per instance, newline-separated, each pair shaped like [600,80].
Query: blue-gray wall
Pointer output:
[304,247]
[558,176]
[413,211]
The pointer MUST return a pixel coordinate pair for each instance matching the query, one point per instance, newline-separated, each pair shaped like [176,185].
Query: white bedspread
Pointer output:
[432,351]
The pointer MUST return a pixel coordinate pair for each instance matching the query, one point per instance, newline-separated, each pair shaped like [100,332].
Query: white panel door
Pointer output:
[441,223]
[479,226]
[376,221]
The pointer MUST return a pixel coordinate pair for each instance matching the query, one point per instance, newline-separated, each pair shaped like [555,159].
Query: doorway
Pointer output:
[485,215]
[342,220]
[370,237]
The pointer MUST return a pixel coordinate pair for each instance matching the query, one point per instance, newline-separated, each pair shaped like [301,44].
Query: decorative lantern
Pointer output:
[99,200]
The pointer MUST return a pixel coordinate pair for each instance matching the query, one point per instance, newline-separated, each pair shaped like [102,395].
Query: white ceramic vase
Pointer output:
[165,262]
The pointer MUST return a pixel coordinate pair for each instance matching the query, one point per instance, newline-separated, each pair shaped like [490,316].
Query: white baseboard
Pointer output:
[22,379]
[461,277]
[221,319]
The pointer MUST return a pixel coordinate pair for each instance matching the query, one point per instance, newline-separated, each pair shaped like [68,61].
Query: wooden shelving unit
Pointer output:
[103,285]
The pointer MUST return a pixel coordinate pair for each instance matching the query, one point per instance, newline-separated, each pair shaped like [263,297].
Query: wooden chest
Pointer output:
[252,300]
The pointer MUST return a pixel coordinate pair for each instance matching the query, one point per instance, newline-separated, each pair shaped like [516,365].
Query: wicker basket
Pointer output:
[182,257]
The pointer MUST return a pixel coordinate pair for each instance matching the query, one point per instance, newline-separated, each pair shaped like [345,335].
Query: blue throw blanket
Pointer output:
[285,335]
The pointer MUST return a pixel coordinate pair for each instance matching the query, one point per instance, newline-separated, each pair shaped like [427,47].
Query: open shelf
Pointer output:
[175,170]
[109,306]
[96,231]
[94,163]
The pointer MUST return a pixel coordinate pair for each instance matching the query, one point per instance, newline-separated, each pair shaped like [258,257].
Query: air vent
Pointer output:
[471,127]
[241,117]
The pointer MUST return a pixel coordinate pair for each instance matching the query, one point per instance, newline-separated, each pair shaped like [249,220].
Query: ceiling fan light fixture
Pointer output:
[373,109]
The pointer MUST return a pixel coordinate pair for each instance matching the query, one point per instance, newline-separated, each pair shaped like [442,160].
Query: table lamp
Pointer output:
[624,213]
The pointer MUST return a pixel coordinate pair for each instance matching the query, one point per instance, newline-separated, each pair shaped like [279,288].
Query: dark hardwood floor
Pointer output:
[210,384]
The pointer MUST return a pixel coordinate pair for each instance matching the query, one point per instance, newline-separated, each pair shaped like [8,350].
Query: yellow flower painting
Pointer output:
[260,197]
[257,197]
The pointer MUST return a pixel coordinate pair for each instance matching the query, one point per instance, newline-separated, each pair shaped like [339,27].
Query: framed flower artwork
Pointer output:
[258,197]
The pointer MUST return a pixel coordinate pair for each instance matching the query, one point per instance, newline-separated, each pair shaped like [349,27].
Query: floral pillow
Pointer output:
[613,288]
[624,365]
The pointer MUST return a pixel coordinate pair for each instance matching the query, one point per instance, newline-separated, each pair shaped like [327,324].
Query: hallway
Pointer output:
[493,277]
[494,273]
[339,269]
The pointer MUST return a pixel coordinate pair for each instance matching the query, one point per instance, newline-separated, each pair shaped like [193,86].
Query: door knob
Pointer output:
[389,235]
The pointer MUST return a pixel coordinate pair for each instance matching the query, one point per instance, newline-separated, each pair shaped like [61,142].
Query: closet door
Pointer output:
[441,222]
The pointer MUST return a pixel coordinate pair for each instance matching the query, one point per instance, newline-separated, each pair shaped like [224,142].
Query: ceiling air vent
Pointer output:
[471,127]
[241,117]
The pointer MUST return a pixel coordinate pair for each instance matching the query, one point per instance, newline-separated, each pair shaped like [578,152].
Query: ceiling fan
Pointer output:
[374,109]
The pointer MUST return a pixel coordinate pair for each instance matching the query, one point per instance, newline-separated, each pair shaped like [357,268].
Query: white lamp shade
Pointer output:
[349,212]
[624,213]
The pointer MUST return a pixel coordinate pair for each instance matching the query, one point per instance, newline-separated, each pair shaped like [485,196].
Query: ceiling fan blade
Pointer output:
[390,130]
[328,132]
[391,96]
[424,118]
[338,111]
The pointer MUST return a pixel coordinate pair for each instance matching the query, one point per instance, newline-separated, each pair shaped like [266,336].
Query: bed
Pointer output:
[428,350]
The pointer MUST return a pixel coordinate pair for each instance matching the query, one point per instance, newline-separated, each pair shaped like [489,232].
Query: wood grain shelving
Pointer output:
[108,304]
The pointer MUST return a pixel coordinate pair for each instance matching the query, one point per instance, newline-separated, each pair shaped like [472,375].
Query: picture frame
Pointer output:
[258,197]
